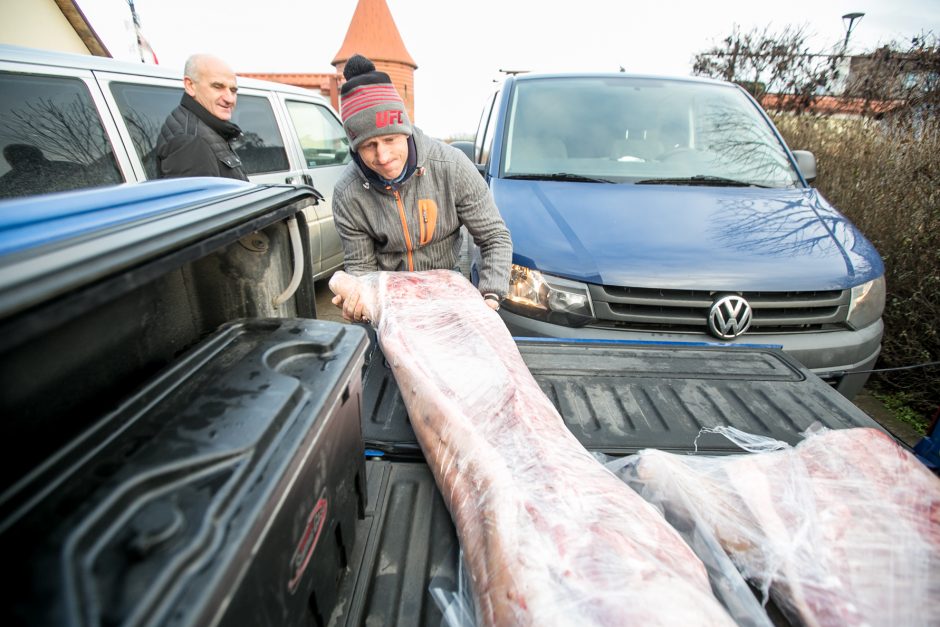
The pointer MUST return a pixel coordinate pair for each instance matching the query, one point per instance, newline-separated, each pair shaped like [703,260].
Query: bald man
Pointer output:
[196,139]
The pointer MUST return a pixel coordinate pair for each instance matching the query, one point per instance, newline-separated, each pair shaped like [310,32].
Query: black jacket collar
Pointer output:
[227,130]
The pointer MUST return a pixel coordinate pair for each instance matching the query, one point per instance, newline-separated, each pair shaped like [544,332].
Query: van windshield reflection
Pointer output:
[646,131]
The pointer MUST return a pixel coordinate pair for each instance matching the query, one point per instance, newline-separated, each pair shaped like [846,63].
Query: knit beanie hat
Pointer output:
[369,103]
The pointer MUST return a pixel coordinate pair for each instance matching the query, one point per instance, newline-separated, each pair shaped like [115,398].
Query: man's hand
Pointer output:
[352,307]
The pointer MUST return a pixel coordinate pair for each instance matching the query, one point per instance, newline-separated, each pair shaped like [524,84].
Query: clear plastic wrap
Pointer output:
[842,529]
[550,536]
[455,604]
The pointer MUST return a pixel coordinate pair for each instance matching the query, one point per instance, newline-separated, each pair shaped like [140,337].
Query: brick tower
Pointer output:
[373,33]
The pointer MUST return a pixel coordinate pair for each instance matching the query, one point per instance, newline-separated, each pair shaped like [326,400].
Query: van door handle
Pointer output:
[307,179]
[289,180]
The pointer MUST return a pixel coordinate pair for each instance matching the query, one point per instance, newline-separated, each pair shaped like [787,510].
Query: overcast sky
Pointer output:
[461,46]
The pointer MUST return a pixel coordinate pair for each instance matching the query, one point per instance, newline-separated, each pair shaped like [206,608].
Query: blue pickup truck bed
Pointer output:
[178,450]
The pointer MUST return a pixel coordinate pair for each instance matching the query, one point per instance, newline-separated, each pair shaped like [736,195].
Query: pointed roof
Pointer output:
[373,33]
[83,27]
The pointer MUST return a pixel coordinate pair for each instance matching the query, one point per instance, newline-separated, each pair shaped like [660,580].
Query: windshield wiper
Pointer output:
[700,179]
[559,176]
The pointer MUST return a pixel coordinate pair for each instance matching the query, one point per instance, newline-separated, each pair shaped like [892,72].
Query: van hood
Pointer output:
[683,237]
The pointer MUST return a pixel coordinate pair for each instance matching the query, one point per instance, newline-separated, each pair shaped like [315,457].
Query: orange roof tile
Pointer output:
[373,33]
[831,104]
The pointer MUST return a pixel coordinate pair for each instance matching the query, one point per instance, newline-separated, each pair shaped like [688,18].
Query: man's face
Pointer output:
[386,154]
[214,88]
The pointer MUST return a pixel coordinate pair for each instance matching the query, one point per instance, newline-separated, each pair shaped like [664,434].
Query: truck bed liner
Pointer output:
[618,397]
[405,541]
[225,492]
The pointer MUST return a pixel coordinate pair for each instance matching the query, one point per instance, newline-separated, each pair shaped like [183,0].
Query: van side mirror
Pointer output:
[806,162]
[468,148]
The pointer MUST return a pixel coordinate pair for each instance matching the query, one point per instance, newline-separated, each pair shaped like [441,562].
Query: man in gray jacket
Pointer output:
[400,203]
[196,139]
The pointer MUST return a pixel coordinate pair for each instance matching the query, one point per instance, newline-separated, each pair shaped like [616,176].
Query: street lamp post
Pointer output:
[849,20]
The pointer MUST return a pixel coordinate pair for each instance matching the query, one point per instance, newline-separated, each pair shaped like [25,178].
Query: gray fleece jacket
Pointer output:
[417,227]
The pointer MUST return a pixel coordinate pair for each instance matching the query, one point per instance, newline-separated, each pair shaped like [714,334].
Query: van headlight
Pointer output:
[552,299]
[868,303]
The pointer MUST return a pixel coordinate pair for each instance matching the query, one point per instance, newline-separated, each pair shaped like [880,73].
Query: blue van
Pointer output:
[663,209]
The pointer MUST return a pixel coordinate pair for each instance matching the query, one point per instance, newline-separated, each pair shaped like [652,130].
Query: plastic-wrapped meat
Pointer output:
[550,536]
[843,529]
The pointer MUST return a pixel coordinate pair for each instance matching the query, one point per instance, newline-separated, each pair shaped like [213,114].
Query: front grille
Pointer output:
[686,311]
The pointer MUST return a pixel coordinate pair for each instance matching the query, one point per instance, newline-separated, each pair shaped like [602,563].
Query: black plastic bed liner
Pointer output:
[618,398]
[226,492]
[405,542]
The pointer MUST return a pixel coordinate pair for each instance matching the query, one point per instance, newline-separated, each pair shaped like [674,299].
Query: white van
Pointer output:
[95,122]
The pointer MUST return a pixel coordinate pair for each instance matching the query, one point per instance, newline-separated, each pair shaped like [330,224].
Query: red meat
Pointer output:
[843,529]
[550,536]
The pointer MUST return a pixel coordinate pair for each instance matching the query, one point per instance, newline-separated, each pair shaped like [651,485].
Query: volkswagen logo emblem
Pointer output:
[729,317]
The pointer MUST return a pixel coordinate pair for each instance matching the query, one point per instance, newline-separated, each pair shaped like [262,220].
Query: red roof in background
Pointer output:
[373,33]
[830,105]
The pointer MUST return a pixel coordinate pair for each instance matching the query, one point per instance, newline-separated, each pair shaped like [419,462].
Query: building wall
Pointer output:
[403,78]
[38,24]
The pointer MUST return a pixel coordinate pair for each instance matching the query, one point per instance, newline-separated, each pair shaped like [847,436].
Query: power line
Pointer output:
[926,364]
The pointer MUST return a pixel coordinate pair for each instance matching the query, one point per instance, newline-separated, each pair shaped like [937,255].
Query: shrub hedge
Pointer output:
[885,177]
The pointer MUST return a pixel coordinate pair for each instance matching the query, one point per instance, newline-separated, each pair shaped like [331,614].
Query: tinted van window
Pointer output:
[646,130]
[144,109]
[51,137]
[321,137]
[261,146]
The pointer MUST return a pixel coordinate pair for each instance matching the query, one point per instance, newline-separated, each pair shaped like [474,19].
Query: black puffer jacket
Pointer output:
[193,142]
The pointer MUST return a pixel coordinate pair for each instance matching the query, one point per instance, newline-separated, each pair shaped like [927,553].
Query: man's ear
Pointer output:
[189,86]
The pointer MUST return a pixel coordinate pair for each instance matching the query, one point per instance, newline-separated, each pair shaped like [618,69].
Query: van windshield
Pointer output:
[641,130]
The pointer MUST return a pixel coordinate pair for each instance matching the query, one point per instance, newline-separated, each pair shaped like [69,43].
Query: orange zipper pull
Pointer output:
[404,226]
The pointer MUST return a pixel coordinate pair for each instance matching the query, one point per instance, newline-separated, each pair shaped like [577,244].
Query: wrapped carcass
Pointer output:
[550,536]
[842,529]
